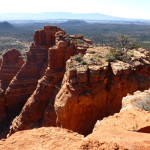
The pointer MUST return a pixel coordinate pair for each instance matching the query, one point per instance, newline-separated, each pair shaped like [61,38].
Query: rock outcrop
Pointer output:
[39,108]
[11,63]
[25,81]
[93,88]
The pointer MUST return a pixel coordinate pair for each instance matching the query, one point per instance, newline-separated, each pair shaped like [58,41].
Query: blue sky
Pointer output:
[121,8]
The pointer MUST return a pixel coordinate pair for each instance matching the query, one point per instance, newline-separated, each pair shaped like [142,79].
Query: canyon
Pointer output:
[66,89]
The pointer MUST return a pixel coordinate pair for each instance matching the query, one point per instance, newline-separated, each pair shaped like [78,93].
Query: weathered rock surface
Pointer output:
[112,139]
[42,139]
[11,63]
[134,120]
[138,100]
[62,139]
[91,92]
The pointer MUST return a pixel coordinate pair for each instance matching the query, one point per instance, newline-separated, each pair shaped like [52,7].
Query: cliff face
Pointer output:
[11,63]
[91,92]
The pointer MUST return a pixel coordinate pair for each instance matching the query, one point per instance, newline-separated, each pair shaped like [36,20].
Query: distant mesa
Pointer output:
[6,26]
[74,22]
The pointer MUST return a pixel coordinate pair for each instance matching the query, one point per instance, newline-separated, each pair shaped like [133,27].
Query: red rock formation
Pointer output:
[91,92]
[46,36]
[39,109]
[25,82]
[12,61]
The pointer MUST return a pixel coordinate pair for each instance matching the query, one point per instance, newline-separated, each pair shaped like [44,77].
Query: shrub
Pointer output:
[96,57]
[110,58]
[77,41]
[78,58]
[92,52]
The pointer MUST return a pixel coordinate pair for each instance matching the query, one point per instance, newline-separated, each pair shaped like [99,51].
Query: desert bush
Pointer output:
[79,59]
[123,45]
[92,52]
[77,41]
[96,57]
